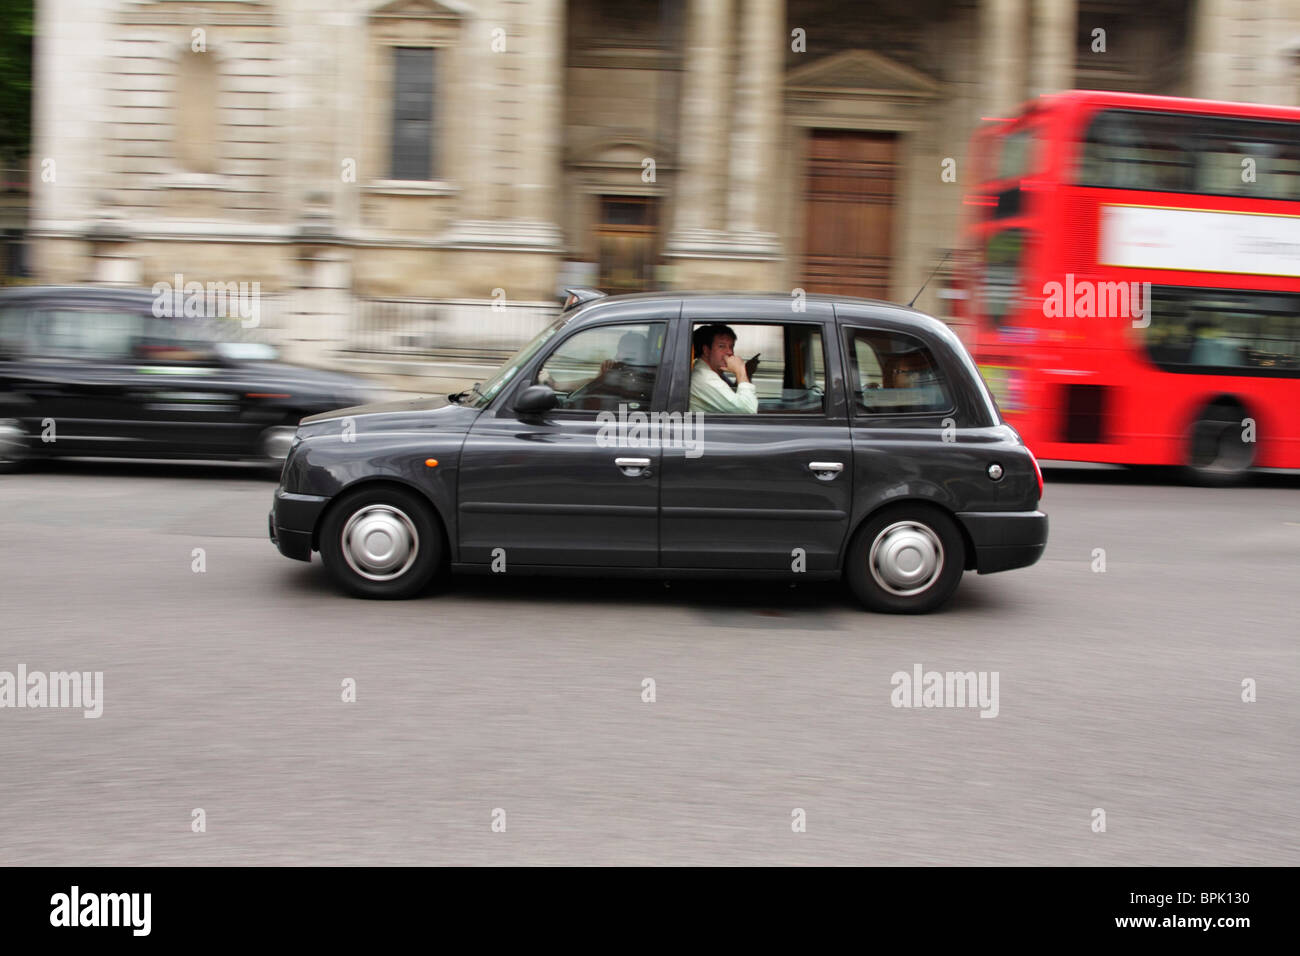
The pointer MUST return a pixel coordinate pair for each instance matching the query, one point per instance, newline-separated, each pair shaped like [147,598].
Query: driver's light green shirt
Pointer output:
[710,393]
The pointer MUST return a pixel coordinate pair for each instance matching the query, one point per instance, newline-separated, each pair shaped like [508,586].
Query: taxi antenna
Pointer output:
[931,276]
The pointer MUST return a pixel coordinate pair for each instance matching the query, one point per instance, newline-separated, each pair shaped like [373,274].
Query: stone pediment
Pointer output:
[861,72]
[618,147]
[421,10]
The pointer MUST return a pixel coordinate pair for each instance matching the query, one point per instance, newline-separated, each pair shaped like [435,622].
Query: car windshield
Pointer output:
[480,395]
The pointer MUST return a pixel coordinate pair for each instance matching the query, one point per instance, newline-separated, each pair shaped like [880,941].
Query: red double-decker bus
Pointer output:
[1132,280]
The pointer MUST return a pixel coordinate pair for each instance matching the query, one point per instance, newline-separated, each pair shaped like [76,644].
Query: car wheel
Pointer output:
[906,559]
[13,445]
[381,543]
[1216,454]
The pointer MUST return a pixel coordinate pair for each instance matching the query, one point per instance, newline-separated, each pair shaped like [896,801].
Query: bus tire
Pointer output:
[1216,453]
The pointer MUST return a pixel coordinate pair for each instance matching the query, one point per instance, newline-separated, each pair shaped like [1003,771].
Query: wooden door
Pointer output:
[849,186]
[627,244]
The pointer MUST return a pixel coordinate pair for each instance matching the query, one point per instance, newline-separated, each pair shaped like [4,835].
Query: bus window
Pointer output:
[1250,158]
[1018,153]
[1003,271]
[1130,150]
[1206,330]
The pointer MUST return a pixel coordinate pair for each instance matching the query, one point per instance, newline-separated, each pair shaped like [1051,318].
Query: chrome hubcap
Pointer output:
[277,441]
[906,558]
[380,542]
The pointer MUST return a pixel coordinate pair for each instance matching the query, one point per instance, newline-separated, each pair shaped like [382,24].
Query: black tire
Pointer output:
[934,542]
[383,511]
[1214,452]
[14,449]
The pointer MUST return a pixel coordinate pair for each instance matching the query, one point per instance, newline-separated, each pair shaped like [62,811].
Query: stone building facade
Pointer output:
[456,155]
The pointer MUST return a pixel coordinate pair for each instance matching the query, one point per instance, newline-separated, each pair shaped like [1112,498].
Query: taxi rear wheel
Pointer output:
[382,543]
[906,559]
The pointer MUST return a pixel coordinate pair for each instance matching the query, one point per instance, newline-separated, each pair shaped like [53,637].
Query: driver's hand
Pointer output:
[606,365]
[751,366]
[737,368]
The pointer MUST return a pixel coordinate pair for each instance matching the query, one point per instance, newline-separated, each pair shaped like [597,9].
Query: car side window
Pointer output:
[166,341]
[894,373]
[785,362]
[15,332]
[602,368]
[87,333]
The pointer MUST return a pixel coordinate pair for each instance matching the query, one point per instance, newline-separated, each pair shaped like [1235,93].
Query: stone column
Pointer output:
[1246,51]
[757,116]
[698,203]
[541,111]
[1002,68]
[507,233]
[1055,24]
[1213,50]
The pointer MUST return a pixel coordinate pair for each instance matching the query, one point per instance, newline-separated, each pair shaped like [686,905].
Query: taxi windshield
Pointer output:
[480,395]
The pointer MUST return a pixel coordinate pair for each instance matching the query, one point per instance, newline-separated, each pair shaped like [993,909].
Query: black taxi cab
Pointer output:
[679,435]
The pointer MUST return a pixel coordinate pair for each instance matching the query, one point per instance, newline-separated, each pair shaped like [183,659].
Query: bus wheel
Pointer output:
[1217,453]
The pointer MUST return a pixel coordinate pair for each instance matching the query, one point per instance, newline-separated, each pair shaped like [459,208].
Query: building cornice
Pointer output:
[720,244]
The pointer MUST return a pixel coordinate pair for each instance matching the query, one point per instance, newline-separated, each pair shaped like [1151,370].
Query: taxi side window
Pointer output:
[894,373]
[786,365]
[602,368]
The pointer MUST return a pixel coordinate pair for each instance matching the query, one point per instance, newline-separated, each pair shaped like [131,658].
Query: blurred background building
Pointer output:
[416,179]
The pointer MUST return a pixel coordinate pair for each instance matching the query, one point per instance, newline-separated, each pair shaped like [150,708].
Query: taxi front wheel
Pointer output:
[381,543]
[906,559]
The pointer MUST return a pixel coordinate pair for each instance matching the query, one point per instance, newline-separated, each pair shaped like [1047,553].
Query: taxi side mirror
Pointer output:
[536,398]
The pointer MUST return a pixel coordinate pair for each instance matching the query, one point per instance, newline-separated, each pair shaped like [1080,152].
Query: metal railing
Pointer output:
[449,329]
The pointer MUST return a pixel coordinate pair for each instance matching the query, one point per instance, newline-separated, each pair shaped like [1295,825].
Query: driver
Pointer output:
[715,353]
[631,358]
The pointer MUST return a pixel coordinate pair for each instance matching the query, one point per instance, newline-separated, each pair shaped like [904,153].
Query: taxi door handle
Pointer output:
[633,467]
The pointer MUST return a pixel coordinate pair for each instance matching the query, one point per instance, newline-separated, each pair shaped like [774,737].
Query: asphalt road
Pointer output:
[222,690]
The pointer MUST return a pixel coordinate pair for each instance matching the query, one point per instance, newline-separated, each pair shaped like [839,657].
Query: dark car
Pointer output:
[94,372]
[873,451]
